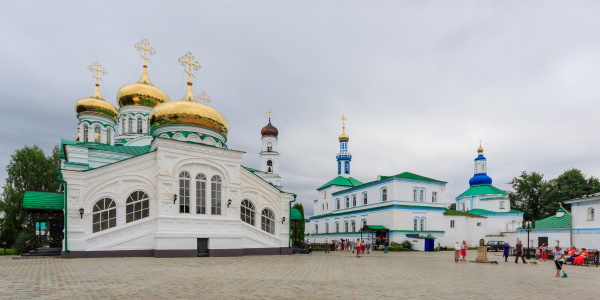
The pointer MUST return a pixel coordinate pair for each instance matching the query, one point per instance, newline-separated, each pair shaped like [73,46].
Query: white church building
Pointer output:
[155,178]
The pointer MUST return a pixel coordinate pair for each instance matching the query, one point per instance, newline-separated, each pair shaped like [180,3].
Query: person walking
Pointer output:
[519,248]
[463,251]
[357,247]
[544,252]
[457,252]
[559,258]
[326,245]
[385,246]
[308,246]
[506,252]
[368,246]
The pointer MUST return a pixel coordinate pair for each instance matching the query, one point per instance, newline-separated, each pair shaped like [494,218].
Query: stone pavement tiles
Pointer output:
[416,275]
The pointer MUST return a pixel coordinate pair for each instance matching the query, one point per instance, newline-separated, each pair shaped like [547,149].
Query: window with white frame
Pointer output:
[130,124]
[415,194]
[138,206]
[268,221]
[501,204]
[184,192]
[364,223]
[215,195]
[590,214]
[316,228]
[434,197]
[326,227]
[451,223]
[422,224]
[104,215]
[353,200]
[346,226]
[201,194]
[139,125]
[337,203]
[421,195]
[108,135]
[123,126]
[415,224]
[365,199]
[383,194]
[353,225]
[337,227]
[247,211]
[347,199]
[97,134]
[463,206]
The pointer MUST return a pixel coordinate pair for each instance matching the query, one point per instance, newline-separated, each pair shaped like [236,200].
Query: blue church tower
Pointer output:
[480,177]
[344,157]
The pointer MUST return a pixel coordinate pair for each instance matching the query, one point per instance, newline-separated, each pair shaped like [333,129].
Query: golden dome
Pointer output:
[344,137]
[480,149]
[188,111]
[141,93]
[96,105]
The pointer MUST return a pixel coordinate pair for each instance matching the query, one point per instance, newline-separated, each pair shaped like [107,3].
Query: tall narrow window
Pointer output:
[200,194]
[364,223]
[422,195]
[269,147]
[590,214]
[85,133]
[416,224]
[451,223]
[337,203]
[501,205]
[326,227]
[365,199]
[316,228]
[422,224]
[434,197]
[138,206]
[139,125]
[347,202]
[247,212]
[353,226]
[104,215]
[184,192]
[463,207]
[215,195]
[123,126]
[384,195]
[415,194]
[268,221]
[345,226]
[269,166]
[97,134]
[347,167]
[130,124]
[337,227]
[353,200]
[108,135]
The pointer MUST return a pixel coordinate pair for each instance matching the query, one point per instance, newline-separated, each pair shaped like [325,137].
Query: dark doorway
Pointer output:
[541,240]
[202,247]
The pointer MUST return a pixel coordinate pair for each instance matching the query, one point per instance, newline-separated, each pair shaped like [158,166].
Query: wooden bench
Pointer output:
[592,258]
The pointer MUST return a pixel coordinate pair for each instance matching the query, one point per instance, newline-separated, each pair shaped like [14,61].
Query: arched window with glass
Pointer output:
[104,215]
[215,195]
[365,199]
[353,200]
[353,225]
[97,134]
[130,124]
[267,221]
[590,214]
[347,200]
[123,126]
[421,195]
[200,194]
[415,194]
[415,224]
[337,227]
[326,228]
[247,212]
[108,135]
[85,133]
[337,203]
[384,194]
[138,206]
[184,192]
[139,125]
[422,228]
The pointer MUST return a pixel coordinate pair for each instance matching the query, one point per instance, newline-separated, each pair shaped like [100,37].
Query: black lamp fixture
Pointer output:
[229,203]
[528,226]
[81,211]
[282,220]
[174,198]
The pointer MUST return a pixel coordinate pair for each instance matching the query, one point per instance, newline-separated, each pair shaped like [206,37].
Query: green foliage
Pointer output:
[29,170]
[452,206]
[569,185]
[405,246]
[528,196]
[297,228]
[24,243]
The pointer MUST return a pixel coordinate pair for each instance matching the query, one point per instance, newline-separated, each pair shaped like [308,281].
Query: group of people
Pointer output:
[577,257]
[460,251]
[359,246]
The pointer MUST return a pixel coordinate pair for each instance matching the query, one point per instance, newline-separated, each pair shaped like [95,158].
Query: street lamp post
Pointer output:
[528,226]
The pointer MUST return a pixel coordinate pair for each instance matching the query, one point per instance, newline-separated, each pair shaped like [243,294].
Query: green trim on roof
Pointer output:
[295,214]
[451,212]
[342,181]
[553,222]
[482,190]
[43,200]
[376,227]
[483,211]
[275,186]
[412,176]
[133,150]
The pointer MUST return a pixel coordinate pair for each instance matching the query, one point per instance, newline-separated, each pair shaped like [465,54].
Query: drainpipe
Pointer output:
[290,221]
[59,178]
[570,224]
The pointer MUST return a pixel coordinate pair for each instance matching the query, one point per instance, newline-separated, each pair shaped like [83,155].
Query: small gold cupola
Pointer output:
[344,136]
[95,104]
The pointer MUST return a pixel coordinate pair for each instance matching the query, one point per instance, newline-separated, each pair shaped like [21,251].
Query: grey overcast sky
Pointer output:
[419,81]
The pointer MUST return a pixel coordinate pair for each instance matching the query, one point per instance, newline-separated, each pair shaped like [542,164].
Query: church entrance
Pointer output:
[202,245]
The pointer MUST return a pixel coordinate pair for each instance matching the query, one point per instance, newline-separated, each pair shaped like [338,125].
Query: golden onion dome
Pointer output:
[188,111]
[480,149]
[344,137]
[141,93]
[96,104]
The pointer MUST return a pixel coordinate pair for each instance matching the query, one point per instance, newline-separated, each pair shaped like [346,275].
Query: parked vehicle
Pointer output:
[495,245]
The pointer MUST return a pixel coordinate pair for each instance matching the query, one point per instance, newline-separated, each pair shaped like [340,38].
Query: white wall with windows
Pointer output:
[586,222]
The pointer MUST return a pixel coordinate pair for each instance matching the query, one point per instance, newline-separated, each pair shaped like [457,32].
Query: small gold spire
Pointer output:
[480,149]
[204,97]
[344,136]
[143,47]
[189,64]
[97,72]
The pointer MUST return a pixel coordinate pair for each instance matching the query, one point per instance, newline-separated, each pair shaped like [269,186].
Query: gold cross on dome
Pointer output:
[189,64]
[343,118]
[143,47]
[97,71]
[480,142]
[204,97]
[269,112]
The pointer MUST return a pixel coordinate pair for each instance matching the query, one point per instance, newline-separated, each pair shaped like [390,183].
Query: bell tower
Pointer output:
[269,157]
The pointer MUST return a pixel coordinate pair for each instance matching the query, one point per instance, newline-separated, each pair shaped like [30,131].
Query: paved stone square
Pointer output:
[377,275]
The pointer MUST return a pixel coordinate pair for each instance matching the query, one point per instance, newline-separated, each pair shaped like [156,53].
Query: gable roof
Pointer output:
[482,190]
[341,181]
[451,212]
[43,200]
[553,222]
[412,176]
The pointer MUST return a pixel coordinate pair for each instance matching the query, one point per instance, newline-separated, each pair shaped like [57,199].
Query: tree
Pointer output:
[29,170]
[297,229]
[452,206]
[569,185]
[530,190]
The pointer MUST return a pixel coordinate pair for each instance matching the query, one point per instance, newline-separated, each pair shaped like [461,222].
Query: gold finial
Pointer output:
[97,71]
[480,149]
[189,64]
[143,47]
[269,112]
[343,118]
[204,97]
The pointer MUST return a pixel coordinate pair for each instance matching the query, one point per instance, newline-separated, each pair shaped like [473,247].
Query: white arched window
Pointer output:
[337,203]
[122,126]
[130,124]
[267,221]
[316,228]
[139,125]
[353,200]
[422,224]
[353,226]
[269,147]
[415,224]
[104,215]
[384,194]
[346,226]
[200,194]
[108,135]
[97,134]
[347,200]
[215,195]
[590,214]
[326,228]
[415,194]
[184,192]
[365,198]
[247,212]
[269,166]
[422,195]
[85,133]
[138,206]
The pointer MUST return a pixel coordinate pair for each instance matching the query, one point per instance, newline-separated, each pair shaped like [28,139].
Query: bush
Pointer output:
[24,243]
[406,245]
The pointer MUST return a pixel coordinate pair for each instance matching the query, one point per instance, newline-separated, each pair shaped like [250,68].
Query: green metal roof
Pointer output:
[483,190]
[451,212]
[375,227]
[483,211]
[133,150]
[295,214]
[342,181]
[43,200]
[553,222]
[412,176]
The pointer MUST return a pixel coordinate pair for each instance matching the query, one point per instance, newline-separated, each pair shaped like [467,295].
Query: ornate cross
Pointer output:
[269,112]
[204,97]
[480,142]
[189,64]
[97,71]
[143,47]
[343,118]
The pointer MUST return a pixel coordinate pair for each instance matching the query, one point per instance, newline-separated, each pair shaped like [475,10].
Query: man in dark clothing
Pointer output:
[520,253]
